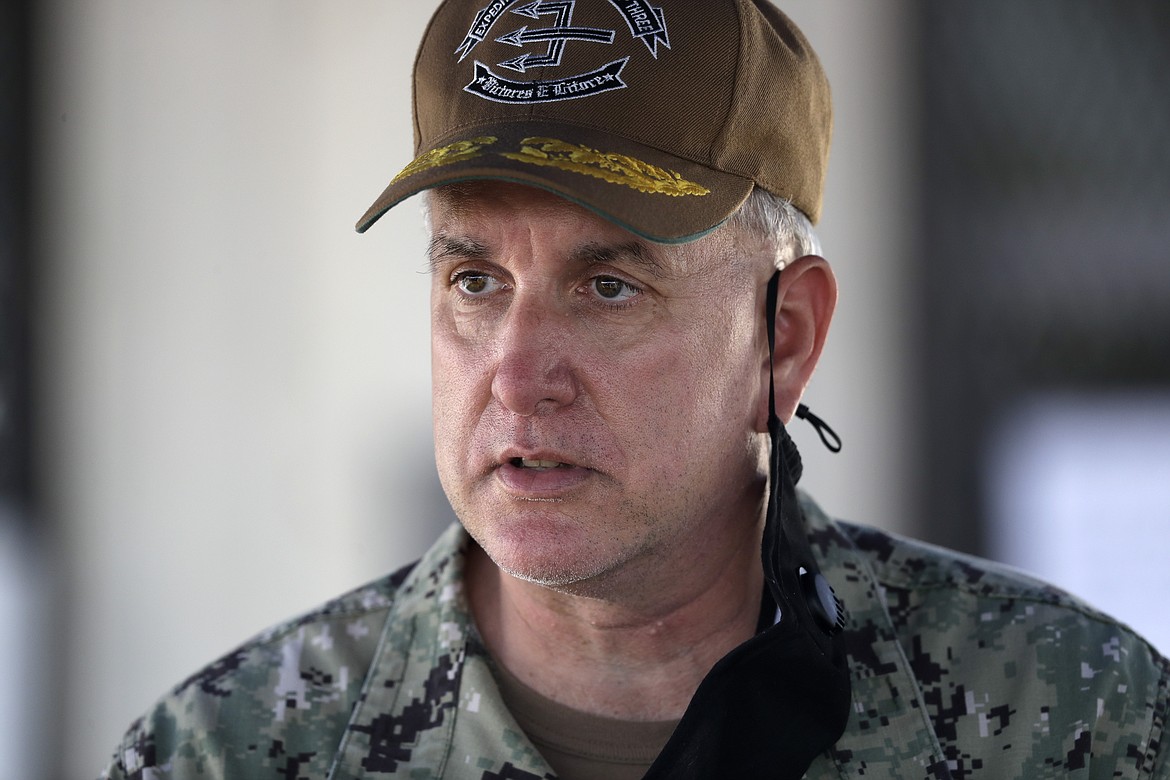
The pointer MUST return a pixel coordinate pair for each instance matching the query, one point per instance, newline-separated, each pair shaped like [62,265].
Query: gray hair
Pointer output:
[776,220]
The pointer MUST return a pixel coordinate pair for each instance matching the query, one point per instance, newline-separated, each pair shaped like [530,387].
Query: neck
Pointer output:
[612,651]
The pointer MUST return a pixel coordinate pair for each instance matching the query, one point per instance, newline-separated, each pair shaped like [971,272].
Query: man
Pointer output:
[634,588]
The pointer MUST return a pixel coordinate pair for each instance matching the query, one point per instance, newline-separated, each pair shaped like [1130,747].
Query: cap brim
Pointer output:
[652,194]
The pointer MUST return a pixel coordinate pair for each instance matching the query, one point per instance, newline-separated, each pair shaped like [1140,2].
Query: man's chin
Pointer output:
[556,579]
[559,568]
[548,544]
[557,565]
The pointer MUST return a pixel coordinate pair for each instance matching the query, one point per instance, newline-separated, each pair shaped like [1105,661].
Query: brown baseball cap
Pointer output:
[660,115]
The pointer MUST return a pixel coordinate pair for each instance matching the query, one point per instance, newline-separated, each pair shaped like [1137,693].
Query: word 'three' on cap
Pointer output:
[659,115]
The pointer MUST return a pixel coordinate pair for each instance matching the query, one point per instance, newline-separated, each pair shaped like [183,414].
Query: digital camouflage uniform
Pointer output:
[961,668]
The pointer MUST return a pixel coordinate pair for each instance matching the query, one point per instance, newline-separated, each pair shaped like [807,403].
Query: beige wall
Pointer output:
[235,385]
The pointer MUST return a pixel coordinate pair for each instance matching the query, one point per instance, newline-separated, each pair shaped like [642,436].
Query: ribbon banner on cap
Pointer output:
[484,20]
[646,22]
[489,86]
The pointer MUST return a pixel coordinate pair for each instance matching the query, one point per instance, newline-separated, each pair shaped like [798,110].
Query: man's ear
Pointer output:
[804,308]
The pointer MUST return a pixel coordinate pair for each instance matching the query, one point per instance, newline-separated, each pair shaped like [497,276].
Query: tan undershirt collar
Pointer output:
[581,746]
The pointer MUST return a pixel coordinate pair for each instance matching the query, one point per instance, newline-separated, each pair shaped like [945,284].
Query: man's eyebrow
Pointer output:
[636,252]
[444,246]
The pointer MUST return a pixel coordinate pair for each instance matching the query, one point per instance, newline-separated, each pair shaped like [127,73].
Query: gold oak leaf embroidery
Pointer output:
[445,155]
[610,166]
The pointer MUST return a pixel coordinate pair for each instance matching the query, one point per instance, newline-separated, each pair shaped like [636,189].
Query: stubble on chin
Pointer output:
[581,559]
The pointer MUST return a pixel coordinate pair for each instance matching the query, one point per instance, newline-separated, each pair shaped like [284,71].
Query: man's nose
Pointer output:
[533,372]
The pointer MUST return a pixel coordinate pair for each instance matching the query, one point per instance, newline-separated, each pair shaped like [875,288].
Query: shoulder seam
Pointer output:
[1055,600]
[325,612]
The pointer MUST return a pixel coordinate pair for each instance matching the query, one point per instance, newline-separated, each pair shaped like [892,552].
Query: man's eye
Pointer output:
[476,283]
[613,289]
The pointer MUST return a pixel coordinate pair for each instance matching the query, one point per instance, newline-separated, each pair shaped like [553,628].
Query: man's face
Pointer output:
[596,396]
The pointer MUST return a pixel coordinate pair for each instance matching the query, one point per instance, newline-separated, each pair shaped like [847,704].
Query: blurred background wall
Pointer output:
[215,407]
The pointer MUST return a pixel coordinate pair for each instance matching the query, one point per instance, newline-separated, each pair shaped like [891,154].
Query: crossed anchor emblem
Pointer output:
[557,35]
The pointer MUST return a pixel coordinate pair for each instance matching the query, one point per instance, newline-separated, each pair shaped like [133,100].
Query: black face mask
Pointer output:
[771,705]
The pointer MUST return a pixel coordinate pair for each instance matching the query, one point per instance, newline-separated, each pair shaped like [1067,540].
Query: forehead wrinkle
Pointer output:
[636,252]
[444,245]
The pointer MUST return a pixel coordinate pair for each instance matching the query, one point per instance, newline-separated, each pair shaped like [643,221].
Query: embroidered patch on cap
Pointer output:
[645,22]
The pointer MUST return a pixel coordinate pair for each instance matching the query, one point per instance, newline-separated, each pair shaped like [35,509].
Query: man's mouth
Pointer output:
[539,465]
[542,476]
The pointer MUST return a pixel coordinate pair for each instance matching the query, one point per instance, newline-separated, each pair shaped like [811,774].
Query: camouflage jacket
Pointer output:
[961,668]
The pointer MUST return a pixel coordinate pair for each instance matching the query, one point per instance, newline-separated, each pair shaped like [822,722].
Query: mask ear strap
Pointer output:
[770,303]
[801,592]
